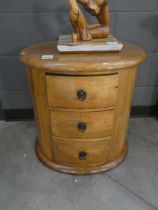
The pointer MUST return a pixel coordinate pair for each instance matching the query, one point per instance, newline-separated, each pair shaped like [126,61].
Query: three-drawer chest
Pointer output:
[82,105]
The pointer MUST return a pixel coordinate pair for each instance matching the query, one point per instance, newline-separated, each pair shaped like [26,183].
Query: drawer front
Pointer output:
[80,124]
[87,153]
[82,92]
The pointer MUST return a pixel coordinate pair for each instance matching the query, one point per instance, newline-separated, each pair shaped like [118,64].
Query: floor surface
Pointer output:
[26,184]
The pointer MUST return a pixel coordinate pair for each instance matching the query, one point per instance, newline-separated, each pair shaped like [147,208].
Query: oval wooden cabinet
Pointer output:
[82,105]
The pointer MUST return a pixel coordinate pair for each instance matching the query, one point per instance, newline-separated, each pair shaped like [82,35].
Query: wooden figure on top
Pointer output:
[84,31]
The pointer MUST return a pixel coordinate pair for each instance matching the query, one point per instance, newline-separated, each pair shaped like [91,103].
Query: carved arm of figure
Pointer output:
[79,23]
[84,31]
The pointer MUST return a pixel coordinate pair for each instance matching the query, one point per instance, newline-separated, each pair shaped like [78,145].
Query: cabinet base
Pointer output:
[78,169]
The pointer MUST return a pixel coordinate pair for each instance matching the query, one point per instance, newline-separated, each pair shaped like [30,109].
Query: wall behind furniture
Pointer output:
[24,22]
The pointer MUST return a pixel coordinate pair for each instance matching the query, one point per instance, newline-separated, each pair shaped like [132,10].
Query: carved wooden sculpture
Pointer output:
[83,30]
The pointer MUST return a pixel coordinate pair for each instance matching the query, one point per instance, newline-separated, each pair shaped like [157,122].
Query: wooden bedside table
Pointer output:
[82,106]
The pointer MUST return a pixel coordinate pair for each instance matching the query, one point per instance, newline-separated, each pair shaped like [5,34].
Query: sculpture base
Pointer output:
[66,45]
[78,169]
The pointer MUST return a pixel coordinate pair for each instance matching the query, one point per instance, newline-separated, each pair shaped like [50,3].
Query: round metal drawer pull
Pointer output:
[82,155]
[81,95]
[82,127]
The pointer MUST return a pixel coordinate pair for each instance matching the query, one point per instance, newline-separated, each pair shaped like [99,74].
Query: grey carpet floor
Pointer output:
[26,184]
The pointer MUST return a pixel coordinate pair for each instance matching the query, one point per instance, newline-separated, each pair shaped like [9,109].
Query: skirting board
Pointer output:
[18,114]
[1,112]
[27,114]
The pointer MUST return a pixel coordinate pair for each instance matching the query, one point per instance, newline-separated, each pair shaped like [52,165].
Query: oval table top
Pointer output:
[70,63]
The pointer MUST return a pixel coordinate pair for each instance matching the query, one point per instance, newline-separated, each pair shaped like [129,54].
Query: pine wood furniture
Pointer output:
[82,105]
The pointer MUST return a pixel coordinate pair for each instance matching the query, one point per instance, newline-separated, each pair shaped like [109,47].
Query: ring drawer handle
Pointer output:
[82,126]
[82,155]
[81,95]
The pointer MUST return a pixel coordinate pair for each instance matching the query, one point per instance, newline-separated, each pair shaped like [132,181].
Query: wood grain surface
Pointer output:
[67,152]
[100,91]
[98,124]
[82,63]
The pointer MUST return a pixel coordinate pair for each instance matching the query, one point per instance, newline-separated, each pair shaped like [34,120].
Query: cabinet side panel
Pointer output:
[41,110]
[122,110]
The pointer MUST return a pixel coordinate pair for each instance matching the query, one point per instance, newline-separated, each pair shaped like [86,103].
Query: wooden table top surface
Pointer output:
[130,56]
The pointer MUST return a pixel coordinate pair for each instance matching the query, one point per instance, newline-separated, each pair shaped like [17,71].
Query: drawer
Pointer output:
[82,92]
[87,153]
[80,124]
